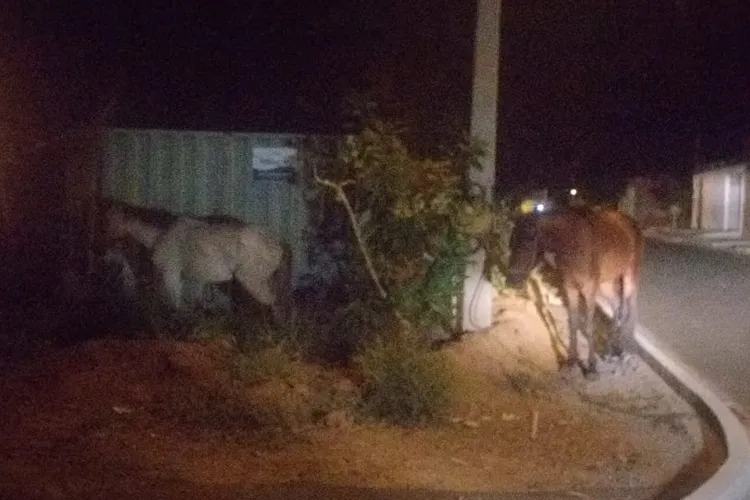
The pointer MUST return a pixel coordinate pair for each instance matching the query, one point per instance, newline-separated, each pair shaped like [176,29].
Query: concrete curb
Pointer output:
[732,480]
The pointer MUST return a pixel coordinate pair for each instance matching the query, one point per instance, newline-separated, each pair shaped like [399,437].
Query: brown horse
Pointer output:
[597,254]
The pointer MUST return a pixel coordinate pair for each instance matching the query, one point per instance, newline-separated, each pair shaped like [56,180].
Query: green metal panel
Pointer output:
[190,175]
[171,172]
[144,188]
[154,160]
[205,173]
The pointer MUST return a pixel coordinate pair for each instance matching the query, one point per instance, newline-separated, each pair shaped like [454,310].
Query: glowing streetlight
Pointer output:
[573,192]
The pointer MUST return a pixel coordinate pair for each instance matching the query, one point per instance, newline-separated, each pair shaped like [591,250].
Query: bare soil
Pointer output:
[167,419]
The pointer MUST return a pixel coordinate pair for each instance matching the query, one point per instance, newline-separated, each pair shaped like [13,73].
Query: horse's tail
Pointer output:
[631,320]
[621,311]
[627,316]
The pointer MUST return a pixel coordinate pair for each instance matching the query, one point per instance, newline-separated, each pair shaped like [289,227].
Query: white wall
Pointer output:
[719,199]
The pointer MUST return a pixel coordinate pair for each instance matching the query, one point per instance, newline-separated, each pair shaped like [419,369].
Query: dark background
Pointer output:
[592,91]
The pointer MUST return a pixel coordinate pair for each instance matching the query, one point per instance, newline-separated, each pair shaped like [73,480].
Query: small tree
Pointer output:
[402,226]
[407,221]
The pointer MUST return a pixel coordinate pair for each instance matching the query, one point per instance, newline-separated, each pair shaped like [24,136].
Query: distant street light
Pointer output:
[573,192]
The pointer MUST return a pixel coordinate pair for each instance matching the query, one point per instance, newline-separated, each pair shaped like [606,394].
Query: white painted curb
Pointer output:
[732,480]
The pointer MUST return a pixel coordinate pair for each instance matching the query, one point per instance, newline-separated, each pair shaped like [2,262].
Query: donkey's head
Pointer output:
[524,249]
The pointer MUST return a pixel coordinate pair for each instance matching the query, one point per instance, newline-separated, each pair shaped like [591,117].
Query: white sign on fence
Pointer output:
[275,163]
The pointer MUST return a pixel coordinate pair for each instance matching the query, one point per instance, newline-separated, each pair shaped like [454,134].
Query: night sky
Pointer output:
[590,89]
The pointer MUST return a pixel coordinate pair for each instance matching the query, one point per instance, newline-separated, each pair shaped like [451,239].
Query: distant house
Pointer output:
[645,200]
[720,199]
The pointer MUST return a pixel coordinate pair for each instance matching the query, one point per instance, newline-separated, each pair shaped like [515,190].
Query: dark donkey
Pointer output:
[597,255]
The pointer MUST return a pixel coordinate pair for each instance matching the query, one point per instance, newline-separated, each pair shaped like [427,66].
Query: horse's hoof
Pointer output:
[611,358]
[621,365]
[630,363]
[591,375]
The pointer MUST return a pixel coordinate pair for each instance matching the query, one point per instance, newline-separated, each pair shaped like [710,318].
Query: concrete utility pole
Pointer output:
[485,88]
[477,292]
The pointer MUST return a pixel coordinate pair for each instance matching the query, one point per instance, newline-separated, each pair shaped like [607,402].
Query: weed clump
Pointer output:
[405,383]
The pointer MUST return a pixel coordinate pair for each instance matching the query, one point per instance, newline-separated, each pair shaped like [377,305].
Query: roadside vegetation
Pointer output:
[392,230]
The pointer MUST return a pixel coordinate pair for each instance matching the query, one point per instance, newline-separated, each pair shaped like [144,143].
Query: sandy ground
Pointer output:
[166,419]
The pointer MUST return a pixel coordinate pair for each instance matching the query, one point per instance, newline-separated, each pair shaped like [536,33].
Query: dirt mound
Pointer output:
[167,419]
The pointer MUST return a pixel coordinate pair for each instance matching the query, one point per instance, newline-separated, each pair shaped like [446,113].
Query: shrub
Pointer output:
[400,225]
[404,382]
[395,229]
[288,392]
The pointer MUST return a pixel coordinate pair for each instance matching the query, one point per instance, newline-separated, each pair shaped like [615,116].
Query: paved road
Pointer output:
[696,303]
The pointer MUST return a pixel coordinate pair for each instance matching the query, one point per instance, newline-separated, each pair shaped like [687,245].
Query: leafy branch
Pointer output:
[340,195]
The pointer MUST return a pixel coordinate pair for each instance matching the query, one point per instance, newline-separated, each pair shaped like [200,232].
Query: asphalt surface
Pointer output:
[695,302]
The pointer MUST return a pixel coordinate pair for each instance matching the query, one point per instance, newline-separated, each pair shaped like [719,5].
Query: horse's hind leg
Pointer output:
[281,288]
[172,283]
[614,339]
[581,307]
[259,288]
[622,337]
[624,340]
[573,303]
[587,328]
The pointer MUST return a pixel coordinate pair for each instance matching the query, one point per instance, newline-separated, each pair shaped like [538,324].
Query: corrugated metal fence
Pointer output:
[209,173]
